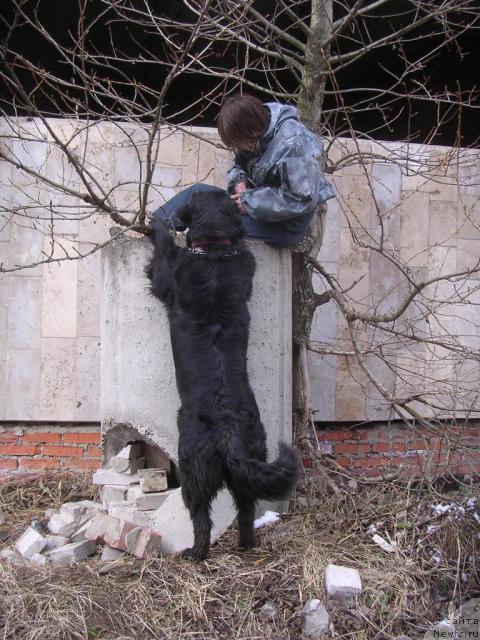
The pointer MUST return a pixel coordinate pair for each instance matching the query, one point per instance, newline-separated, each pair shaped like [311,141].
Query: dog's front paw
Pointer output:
[193,556]
[247,543]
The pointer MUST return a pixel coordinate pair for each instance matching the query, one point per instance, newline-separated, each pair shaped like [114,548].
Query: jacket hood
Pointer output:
[278,114]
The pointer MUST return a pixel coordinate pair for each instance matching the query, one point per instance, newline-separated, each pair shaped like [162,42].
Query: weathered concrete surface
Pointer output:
[138,389]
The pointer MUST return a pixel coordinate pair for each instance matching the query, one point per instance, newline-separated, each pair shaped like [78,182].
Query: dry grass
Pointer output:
[169,598]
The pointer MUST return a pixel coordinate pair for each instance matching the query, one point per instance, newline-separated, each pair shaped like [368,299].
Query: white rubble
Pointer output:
[124,465]
[10,555]
[150,501]
[39,559]
[113,494]
[109,554]
[317,621]
[30,543]
[153,480]
[383,544]
[58,526]
[73,552]
[269,517]
[342,583]
[108,476]
[72,516]
[269,611]
[53,542]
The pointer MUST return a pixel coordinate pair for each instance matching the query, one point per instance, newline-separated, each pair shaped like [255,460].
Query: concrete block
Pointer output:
[114,493]
[130,452]
[53,542]
[110,477]
[30,542]
[153,480]
[80,533]
[58,526]
[39,559]
[11,556]
[73,512]
[342,583]
[151,501]
[73,552]
[124,465]
[109,554]
[317,621]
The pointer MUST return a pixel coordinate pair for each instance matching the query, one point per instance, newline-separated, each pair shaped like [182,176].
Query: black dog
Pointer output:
[205,289]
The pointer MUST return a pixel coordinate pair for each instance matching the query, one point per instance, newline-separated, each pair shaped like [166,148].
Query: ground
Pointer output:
[169,598]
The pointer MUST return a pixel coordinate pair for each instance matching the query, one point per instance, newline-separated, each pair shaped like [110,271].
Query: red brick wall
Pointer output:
[49,447]
[378,449]
[369,450]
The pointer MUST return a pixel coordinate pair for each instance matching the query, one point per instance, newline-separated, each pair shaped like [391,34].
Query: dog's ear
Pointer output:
[184,214]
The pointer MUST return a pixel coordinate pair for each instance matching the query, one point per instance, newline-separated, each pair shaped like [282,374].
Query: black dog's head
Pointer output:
[211,215]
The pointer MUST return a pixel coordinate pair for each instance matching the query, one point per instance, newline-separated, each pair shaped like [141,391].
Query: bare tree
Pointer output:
[292,50]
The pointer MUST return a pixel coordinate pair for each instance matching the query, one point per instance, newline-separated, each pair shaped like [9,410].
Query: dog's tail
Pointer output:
[266,480]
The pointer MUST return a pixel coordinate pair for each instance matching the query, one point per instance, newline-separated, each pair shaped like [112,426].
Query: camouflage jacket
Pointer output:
[285,176]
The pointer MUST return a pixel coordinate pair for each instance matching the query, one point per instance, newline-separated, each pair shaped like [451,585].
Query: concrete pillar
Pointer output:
[138,390]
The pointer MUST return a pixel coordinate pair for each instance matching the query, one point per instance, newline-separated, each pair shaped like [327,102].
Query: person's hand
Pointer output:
[238,202]
[241,187]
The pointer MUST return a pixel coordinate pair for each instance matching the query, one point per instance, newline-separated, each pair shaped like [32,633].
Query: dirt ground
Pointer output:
[434,565]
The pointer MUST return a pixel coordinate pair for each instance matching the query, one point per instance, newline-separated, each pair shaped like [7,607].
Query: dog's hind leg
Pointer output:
[246,514]
[202,526]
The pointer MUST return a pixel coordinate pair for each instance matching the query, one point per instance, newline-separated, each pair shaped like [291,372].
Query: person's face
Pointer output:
[247,145]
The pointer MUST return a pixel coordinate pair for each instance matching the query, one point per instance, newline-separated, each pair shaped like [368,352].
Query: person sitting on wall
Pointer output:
[277,178]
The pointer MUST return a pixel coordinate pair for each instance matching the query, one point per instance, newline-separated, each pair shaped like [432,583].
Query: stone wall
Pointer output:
[50,314]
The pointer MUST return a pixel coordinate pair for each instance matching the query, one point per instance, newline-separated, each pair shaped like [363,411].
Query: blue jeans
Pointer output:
[277,234]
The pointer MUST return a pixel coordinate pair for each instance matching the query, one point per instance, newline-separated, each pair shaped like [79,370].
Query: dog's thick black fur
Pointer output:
[221,437]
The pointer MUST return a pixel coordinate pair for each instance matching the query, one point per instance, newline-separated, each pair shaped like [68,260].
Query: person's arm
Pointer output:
[235,176]
[302,185]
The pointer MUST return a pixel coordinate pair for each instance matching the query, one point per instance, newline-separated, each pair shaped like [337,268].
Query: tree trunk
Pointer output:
[310,109]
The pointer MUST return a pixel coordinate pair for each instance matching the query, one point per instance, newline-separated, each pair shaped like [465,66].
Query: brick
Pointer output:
[19,450]
[7,464]
[82,438]
[8,438]
[94,452]
[334,435]
[381,447]
[464,469]
[42,437]
[63,452]
[368,462]
[352,448]
[39,463]
[343,462]
[81,465]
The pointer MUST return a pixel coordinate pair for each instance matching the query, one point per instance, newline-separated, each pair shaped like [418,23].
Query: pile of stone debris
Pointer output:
[74,531]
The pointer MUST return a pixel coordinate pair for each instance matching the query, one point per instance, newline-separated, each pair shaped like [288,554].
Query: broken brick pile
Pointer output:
[73,532]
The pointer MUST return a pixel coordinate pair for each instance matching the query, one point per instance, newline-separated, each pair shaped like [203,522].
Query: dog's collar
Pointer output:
[198,247]
[210,241]
[230,251]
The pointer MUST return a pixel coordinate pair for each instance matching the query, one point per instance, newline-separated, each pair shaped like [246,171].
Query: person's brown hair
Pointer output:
[242,119]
